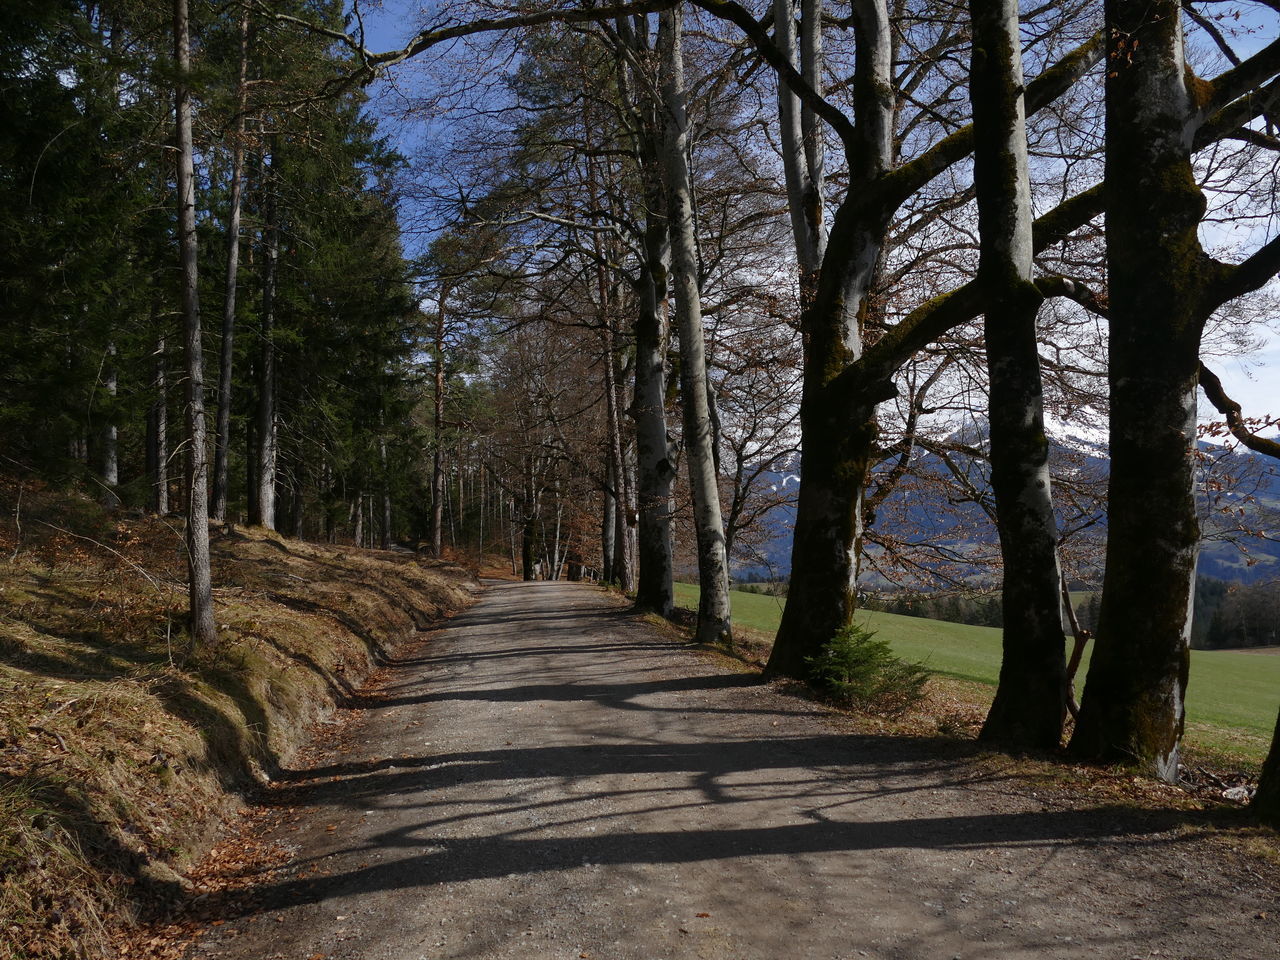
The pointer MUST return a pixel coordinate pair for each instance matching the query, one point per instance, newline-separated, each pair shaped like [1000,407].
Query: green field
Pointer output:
[1232,695]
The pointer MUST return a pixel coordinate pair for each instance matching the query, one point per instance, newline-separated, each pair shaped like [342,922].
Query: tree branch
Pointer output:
[741,17]
[1212,387]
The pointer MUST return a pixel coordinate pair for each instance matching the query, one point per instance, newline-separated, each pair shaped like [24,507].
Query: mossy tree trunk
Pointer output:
[1266,802]
[655,460]
[838,436]
[265,431]
[1031,697]
[1133,705]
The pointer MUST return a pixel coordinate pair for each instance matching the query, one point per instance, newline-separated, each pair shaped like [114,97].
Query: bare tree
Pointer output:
[1031,697]
[714,616]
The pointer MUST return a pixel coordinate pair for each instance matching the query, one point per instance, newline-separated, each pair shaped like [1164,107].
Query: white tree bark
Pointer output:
[714,621]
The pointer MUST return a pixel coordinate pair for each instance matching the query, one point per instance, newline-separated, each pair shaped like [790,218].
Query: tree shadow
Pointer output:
[826,777]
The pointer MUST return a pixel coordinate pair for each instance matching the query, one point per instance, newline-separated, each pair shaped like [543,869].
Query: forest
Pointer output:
[617,291]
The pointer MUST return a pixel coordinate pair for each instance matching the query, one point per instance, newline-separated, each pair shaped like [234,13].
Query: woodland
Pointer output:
[652,275]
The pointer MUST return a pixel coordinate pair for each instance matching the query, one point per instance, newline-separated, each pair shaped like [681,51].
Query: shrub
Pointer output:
[859,670]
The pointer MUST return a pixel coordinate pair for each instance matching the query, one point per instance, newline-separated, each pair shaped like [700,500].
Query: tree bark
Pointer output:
[203,629]
[265,431]
[1133,705]
[714,618]
[621,568]
[1266,802]
[655,467]
[803,161]
[437,453]
[529,526]
[839,433]
[385,541]
[607,524]
[110,438]
[158,433]
[1031,696]
[221,450]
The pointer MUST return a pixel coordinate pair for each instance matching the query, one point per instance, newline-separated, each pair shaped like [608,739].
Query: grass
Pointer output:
[1232,696]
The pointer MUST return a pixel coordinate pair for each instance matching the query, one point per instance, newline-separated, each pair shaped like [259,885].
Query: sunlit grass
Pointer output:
[1232,695]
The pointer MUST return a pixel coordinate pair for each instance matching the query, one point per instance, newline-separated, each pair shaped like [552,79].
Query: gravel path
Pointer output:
[548,778]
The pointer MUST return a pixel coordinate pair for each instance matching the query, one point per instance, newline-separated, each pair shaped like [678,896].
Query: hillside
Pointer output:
[119,748]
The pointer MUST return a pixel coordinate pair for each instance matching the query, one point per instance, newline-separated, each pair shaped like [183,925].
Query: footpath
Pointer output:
[548,777]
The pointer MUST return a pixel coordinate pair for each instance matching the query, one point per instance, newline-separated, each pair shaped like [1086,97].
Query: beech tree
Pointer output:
[714,617]
[1030,699]
[1162,289]
[844,377]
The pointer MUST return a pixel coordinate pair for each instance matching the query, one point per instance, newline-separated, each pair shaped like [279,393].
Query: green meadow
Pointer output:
[1232,695]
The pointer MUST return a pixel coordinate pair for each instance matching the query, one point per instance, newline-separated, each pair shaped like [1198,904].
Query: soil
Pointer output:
[548,776]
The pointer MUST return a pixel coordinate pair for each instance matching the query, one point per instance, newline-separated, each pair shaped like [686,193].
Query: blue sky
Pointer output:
[1253,381]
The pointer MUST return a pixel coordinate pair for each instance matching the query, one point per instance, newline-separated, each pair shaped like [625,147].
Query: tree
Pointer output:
[714,617]
[1030,699]
[1163,288]
[222,440]
[845,378]
[203,629]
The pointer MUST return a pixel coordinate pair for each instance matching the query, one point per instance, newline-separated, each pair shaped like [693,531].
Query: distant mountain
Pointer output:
[1238,491]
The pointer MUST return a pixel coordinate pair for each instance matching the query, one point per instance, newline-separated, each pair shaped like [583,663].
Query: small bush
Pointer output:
[859,670]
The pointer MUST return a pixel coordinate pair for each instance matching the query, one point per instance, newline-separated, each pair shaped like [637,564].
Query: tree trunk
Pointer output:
[251,467]
[655,457]
[110,431]
[265,431]
[158,433]
[655,469]
[714,618]
[801,141]
[385,541]
[1133,709]
[621,568]
[607,526]
[203,629]
[1266,802]
[222,439]
[437,454]
[837,425]
[1031,697]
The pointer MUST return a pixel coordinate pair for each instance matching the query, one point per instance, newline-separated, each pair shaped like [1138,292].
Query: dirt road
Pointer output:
[549,779]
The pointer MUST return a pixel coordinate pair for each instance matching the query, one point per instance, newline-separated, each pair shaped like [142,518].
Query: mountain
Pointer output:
[948,532]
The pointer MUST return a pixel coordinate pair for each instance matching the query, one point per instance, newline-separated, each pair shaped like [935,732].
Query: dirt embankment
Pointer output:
[120,750]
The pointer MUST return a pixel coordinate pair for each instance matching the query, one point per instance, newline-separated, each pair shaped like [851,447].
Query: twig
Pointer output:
[17,522]
[1217,781]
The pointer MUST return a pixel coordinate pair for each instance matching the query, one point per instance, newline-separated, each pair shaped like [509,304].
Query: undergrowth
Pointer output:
[118,754]
[858,669]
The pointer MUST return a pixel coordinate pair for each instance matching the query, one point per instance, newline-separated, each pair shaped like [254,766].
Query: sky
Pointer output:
[1253,381]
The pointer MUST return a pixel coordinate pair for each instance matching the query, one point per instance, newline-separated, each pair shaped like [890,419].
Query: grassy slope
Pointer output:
[1231,697]
[117,753]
